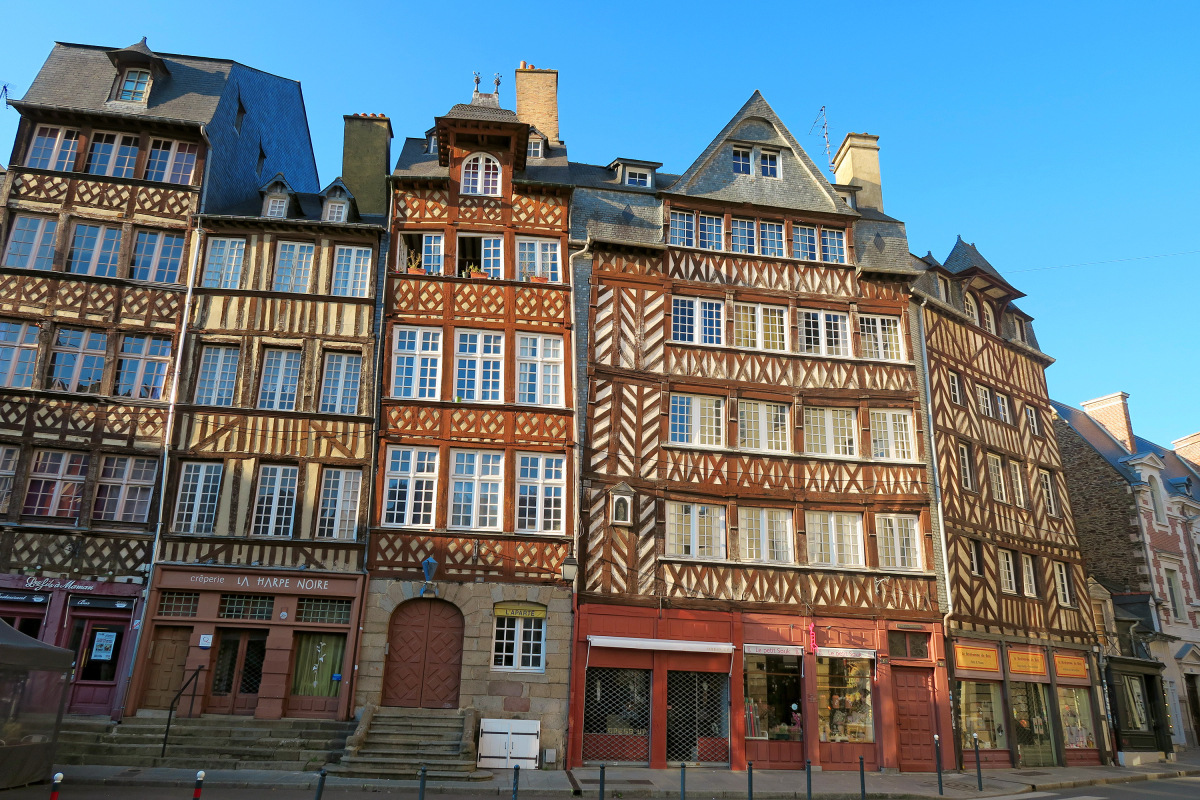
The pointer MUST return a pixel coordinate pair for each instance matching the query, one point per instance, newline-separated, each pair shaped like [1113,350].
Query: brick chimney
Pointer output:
[1112,413]
[1188,448]
[366,160]
[857,163]
[537,99]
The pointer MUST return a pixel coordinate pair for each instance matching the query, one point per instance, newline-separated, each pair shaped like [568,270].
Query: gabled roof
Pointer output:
[336,183]
[801,185]
[964,257]
[277,178]
[139,53]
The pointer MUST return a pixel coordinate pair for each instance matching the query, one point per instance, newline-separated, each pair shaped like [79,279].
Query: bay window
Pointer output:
[199,489]
[695,530]
[834,539]
[829,431]
[540,489]
[826,333]
[697,420]
[409,487]
[275,506]
[476,481]
[763,426]
[891,435]
[686,312]
[31,243]
[766,534]
[417,358]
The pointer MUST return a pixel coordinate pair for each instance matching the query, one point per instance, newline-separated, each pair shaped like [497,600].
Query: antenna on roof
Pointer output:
[4,92]
[824,122]
[476,81]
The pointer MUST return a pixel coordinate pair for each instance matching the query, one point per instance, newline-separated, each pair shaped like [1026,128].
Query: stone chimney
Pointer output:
[857,164]
[537,99]
[366,160]
[1188,448]
[1112,413]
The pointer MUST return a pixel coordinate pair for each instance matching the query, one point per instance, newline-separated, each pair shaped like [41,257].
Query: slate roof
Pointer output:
[311,204]
[965,256]
[415,162]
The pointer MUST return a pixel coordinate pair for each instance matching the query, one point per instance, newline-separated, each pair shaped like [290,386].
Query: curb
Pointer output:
[1151,776]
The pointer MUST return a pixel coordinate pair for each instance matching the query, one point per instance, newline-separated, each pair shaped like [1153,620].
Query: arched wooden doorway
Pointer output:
[424,661]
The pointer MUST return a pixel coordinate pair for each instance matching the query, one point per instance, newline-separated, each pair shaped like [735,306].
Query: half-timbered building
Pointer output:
[1019,618]
[115,151]
[468,605]
[757,576]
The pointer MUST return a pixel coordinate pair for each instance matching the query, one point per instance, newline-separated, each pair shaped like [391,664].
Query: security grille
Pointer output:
[698,717]
[252,664]
[246,606]
[317,609]
[616,716]
[178,604]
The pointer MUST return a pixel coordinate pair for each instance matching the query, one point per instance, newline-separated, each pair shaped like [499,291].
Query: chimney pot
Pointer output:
[1111,412]
[522,65]
[857,164]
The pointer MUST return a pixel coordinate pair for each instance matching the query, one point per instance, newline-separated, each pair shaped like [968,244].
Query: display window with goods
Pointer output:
[845,711]
[773,697]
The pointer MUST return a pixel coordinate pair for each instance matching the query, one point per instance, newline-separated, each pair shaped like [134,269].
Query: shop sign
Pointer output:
[1067,666]
[270,583]
[773,649]
[982,659]
[102,648]
[515,608]
[42,584]
[844,652]
[205,641]
[101,602]
[1021,662]
[21,597]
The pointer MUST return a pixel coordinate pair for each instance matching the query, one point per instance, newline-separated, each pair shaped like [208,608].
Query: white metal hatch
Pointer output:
[506,742]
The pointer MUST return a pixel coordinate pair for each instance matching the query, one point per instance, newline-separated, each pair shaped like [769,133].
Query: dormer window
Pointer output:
[989,320]
[741,161]
[769,162]
[943,288]
[535,148]
[432,149]
[970,307]
[277,207]
[1018,329]
[335,211]
[637,177]
[133,87]
[481,175]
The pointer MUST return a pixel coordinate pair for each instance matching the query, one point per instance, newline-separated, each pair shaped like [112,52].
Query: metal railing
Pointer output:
[194,680]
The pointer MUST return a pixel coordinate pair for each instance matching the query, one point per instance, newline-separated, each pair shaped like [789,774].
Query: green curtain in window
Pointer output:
[318,659]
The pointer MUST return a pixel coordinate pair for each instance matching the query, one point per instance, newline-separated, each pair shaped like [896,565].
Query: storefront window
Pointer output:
[1137,716]
[981,711]
[318,659]
[1030,705]
[773,700]
[844,700]
[97,647]
[1075,709]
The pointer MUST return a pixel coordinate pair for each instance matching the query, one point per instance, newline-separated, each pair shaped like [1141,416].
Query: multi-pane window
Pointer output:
[178,604]
[133,87]
[829,431]
[989,319]
[351,271]
[340,491]
[293,263]
[142,366]
[431,253]
[970,307]
[1008,571]
[1046,479]
[769,163]
[277,207]
[891,434]
[943,288]
[1062,583]
[276,503]
[539,370]
[409,484]
[170,161]
[1028,576]
[1035,425]
[55,483]
[690,313]
[540,489]
[31,244]
[492,250]
[762,426]
[1018,329]
[984,396]
[741,236]
[712,233]
[1174,593]
[280,377]
[53,148]
[245,606]
[328,610]
[534,148]
[741,161]
[156,257]
[956,389]
[825,333]
[335,211]
[880,337]
[695,530]
[537,258]
[1003,408]
[478,365]
[519,644]
[766,534]
[759,327]
[18,354]
[480,175]
[966,471]
[899,547]
[339,389]
[975,554]
[804,242]
[125,489]
[95,250]
[77,360]
[770,238]
[834,539]
[1016,482]
[112,154]
[697,420]
[223,270]
[475,480]
[683,228]
[833,245]
[215,381]
[417,358]
[995,466]
[637,177]
[199,488]
[8,471]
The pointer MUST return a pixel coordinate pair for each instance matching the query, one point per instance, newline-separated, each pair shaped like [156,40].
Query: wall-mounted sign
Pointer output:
[773,649]
[1070,666]
[982,659]
[43,584]
[844,652]
[516,608]
[121,603]
[226,581]
[103,644]
[21,597]
[1022,662]
[206,641]
[337,676]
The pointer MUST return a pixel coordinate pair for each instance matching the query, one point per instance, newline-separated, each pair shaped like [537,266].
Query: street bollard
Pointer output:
[808,776]
[421,785]
[862,778]
[199,785]
[601,782]
[750,780]
[682,781]
[516,778]
[978,765]
[937,751]
[320,784]
[54,786]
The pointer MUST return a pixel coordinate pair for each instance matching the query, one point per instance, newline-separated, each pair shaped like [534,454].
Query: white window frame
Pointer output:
[714,237]
[8,472]
[966,467]
[91,355]
[1034,419]
[178,168]
[485,363]
[825,333]
[423,363]
[899,537]
[770,239]
[279,383]
[765,534]
[683,229]
[1064,588]
[275,501]
[519,640]
[538,257]
[491,253]
[131,482]
[881,337]
[975,556]
[199,493]
[162,253]
[276,207]
[540,370]
[104,252]
[759,427]
[18,353]
[341,492]
[971,307]
[1008,570]
[59,159]
[774,166]
[983,397]
[835,539]
[892,436]
[1019,329]
[956,387]
[1174,593]
[351,271]
[433,254]
[473,469]
[637,177]
[1003,408]
[995,468]
[740,155]
[743,235]
[67,473]
[41,250]
[223,267]
[150,364]
[221,365]
[293,266]
[410,487]
[1016,480]
[341,382]
[691,416]
[943,288]
[1154,489]
[120,142]
[684,530]
[989,317]
[532,150]
[831,432]
[336,210]
[833,245]
[479,185]
[757,315]
[1028,576]
[541,493]
[1049,492]
[685,311]
[804,242]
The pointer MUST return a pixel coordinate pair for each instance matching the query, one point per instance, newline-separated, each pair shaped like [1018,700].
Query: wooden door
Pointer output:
[168,654]
[237,672]
[913,693]
[424,660]
[98,645]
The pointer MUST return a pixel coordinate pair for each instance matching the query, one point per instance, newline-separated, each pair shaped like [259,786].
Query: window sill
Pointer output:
[729,451]
[517,670]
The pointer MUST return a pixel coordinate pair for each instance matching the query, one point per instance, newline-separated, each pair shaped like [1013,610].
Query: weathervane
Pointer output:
[497,82]
[477,81]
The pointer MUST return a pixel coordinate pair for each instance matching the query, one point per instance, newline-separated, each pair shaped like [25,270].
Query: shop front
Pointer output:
[1078,709]
[1135,687]
[979,689]
[267,644]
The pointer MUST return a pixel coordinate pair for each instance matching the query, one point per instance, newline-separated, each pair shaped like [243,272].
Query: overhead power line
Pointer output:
[1111,261]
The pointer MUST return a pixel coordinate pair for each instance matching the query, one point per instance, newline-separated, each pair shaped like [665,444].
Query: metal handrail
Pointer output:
[191,705]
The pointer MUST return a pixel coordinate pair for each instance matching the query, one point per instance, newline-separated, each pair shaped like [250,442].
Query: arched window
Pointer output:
[969,305]
[1156,499]
[989,321]
[481,175]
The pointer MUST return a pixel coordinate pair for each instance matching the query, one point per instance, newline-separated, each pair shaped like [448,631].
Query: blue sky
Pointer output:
[1046,133]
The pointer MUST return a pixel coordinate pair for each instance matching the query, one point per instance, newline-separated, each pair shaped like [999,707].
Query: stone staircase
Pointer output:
[394,743]
[208,742]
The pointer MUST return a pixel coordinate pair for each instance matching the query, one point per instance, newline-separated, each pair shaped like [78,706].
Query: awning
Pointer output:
[678,645]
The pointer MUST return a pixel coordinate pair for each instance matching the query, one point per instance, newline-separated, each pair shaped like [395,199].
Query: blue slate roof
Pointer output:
[964,256]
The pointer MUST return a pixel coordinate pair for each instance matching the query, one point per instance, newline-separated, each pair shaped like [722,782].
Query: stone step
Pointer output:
[190,762]
[422,713]
[435,736]
[235,739]
[409,754]
[217,750]
[234,720]
[375,743]
[407,722]
[403,772]
[375,761]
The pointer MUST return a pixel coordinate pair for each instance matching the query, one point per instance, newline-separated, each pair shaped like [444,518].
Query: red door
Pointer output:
[913,690]
[424,659]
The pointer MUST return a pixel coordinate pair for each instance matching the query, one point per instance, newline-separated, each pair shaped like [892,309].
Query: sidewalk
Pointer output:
[630,782]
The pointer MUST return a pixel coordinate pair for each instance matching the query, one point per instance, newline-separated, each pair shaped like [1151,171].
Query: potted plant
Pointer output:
[414,263]
[538,279]
[474,271]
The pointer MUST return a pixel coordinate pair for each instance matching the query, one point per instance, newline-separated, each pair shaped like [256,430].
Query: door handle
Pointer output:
[386,645]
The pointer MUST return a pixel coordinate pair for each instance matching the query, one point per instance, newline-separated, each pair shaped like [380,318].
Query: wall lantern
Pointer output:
[570,568]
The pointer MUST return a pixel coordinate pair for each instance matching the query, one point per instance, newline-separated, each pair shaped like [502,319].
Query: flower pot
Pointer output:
[477,274]
[538,279]
[416,270]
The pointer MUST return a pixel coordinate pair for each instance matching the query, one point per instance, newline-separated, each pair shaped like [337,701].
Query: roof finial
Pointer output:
[477,81]
[143,40]
[497,82]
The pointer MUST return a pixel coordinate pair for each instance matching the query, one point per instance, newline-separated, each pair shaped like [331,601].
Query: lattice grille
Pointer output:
[320,609]
[698,717]
[246,606]
[178,604]
[252,664]
[616,715]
